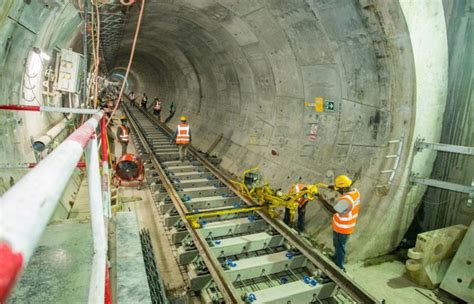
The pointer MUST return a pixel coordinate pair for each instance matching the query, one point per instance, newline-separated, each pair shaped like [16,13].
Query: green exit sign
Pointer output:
[329,105]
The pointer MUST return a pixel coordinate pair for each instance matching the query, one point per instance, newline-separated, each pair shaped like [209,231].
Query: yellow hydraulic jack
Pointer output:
[266,199]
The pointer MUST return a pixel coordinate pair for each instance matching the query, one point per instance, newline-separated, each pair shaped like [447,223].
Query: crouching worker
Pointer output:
[302,202]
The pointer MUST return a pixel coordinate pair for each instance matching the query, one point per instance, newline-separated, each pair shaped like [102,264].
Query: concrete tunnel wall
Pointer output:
[22,27]
[243,70]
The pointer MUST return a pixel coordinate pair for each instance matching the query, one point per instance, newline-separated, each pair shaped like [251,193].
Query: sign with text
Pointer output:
[321,105]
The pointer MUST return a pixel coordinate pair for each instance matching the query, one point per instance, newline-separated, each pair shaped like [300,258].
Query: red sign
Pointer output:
[313,132]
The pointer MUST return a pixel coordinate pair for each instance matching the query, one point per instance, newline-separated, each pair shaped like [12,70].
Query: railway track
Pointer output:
[236,258]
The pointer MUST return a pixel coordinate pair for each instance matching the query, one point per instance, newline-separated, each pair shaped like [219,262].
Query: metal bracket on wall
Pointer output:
[414,179]
[421,144]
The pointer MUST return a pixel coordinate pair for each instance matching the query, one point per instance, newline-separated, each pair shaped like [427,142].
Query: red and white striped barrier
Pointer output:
[26,208]
[48,109]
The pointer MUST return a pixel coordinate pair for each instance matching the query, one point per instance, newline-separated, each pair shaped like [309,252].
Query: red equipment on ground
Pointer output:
[129,171]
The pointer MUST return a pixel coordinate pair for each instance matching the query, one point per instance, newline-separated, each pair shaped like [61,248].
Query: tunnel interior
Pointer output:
[244,73]
[302,90]
[248,75]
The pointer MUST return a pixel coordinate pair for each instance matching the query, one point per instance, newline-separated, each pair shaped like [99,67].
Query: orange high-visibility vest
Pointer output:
[183,134]
[124,135]
[158,105]
[297,188]
[345,223]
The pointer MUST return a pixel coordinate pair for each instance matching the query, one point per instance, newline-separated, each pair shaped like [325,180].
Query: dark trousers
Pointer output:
[300,221]
[157,113]
[339,241]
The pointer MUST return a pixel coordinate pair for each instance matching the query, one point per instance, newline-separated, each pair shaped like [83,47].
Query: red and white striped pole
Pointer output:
[26,208]
[48,109]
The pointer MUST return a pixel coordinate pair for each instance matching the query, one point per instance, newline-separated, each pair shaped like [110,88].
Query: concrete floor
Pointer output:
[389,281]
[59,271]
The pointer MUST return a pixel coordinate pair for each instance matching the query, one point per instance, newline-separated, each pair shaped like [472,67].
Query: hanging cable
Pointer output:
[97,54]
[135,38]
[86,50]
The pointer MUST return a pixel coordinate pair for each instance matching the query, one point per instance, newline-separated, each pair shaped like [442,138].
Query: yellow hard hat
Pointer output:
[183,118]
[342,181]
[123,117]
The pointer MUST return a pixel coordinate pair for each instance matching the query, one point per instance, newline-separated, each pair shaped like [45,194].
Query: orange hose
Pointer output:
[130,2]
[135,38]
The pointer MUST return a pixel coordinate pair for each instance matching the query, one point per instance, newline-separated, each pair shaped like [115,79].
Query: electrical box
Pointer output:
[67,71]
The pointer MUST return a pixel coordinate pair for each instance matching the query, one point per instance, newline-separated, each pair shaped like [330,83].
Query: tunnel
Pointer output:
[303,90]
[243,70]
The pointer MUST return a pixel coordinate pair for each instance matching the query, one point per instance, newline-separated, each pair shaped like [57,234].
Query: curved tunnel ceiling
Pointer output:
[243,70]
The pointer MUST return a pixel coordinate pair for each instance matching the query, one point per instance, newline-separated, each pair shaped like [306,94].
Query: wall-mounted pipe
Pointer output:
[45,140]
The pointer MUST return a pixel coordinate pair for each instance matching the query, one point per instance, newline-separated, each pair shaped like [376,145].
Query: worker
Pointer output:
[302,202]
[157,108]
[132,98]
[182,138]
[123,134]
[344,215]
[172,111]
[144,101]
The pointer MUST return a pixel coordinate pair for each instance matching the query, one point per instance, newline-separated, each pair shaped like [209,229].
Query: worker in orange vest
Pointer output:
[123,134]
[132,98]
[182,138]
[302,201]
[344,215]
[157,108]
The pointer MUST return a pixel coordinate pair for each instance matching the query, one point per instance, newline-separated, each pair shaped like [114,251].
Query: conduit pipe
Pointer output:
[45,140]
[26,208]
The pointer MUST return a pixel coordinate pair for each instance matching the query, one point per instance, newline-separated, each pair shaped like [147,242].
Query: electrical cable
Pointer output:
[97,54]
[135,38]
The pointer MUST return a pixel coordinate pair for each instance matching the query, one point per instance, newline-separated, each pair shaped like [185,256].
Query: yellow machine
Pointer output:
[265,198]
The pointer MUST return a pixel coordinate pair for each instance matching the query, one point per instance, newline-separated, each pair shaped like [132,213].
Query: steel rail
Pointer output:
[353,289]
[214,267]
